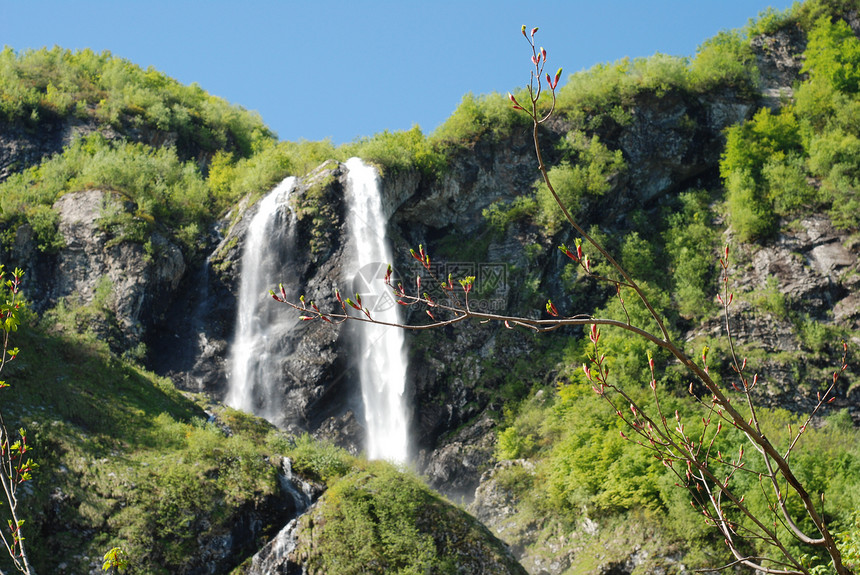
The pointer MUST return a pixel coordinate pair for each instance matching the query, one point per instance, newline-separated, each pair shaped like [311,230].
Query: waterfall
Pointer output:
[255,352]
[274,557]
[381,356]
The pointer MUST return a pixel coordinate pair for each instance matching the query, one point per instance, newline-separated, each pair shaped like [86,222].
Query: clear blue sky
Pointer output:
[341,69]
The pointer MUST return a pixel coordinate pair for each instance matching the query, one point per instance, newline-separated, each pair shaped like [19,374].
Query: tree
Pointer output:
[690,454]
[15,465]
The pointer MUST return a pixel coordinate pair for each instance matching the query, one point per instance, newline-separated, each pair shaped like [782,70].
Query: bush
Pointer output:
[55,82]
[767,145]
[397,152]
[724,60]
[476,116]
[162,187]
[502,214]
[833,55]
[587,173]
[691,240]
[771,20]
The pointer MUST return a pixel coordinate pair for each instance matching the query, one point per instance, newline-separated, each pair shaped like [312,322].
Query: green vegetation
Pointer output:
[397,151]
[586,172]
[44,83]
[769,162]
[163,189]
[376,519]
[129,460]
[688,238]
[479,116]
[777,166]
[583,465]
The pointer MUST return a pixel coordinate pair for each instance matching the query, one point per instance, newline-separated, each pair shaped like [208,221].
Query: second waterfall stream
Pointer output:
[379,351]
[382,354]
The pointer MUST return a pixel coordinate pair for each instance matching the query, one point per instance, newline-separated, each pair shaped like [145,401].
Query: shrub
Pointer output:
[587,174]
[397,151]
[691,239]
[833,55]
[476,116]
[162,187]
[724,60]
[45,82]
[501,214]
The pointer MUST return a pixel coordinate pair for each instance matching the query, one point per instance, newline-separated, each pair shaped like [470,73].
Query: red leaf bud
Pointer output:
[524,31]
[508,325]
[533,31]
[564,249]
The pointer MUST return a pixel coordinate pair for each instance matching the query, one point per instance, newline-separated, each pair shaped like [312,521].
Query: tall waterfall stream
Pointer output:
[254,373]
[382,357]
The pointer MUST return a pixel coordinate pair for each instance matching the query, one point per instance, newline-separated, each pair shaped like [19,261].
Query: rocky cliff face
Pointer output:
[132,282]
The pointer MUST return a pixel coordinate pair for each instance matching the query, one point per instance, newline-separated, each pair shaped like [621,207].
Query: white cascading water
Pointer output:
[381,357]
[254,373]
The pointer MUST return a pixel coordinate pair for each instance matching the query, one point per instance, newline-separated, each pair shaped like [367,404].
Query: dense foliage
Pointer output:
[803,155]
[42,84]
[781,164]
[376,519]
